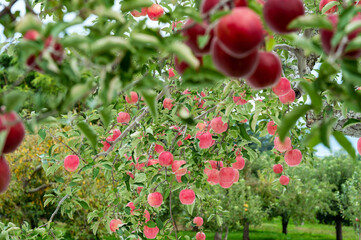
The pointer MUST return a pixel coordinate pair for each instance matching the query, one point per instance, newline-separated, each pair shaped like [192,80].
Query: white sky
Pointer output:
[321,150]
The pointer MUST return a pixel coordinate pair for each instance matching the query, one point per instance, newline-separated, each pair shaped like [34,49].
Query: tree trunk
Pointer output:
[218,236]
[226,234]
[338,227]
[285,221]
[246,231]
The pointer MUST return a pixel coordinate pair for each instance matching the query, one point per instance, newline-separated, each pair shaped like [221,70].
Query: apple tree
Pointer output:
[160,99]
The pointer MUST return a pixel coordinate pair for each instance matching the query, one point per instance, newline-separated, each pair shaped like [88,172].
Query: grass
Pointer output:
[272,231]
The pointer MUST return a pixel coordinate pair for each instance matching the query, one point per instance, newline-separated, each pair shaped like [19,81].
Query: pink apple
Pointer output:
[288,98]
[155,199]
[150,233]
[283,146]
[133,98]
[218,126]
[271,127]
[200,236]
[165,159]
[31,35]
[198,221]
[71,163]
[324,2]
[277,168]
[155,11]
[284,180]
[187,196]
[293,158]
[283,87]
[136,13]
[239,164]
[158,148]
[123,117]
[132,207]
[167,103]
[359,146]
[146,215]
[114,224]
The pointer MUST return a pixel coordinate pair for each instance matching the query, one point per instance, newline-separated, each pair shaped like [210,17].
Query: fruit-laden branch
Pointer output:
[131,126]
[353,130]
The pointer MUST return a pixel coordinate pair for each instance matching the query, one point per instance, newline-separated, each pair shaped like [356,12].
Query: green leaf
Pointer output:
[218,15]
[140,177]
[109,43]
[326,131]
[290,119]
[42,133]
[106,115]
[89,133]
[150,97]
[345,143]
[159,223]
[129,5]
[190,208]
[184,53]
[243,132]
[351,122]
[355,44]
[329,5]
[219,220]
[14,100]
[3,135]
[151,224]
[315,97]
[83,204]
[311,21]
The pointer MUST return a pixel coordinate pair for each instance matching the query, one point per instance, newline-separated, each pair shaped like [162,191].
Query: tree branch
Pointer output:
[40,187]
[7,9]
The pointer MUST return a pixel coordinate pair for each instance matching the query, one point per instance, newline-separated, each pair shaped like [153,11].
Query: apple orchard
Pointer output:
[169,98]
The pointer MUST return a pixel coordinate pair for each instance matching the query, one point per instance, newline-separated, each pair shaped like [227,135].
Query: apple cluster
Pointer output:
[153,12]
[13,130]
[293,157]
[236,40]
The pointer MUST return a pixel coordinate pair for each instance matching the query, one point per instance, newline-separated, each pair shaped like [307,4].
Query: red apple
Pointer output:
[205,140]
[327,35]
[200,236]
[283,87]
[207,5]
[267,73]
[359,146]
[71,163]
[191,34]
[271,128]
[218,126]
[155,11]
[279,14]
[167,103]
[131,206]
[187,196]
[240,33]
[133,98]
[136,13]
[150,233]
[146,215]
[232,66]
[158,148]
[123,117]
[239,164]
[32,35]
[198,221]
[12,124]
[165,159]
[283,146]
[288,98]
[331,10]
[293,158]
[155,199]
[284,180]
[277,168]
[182,66]
[5,175]
[114,224]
